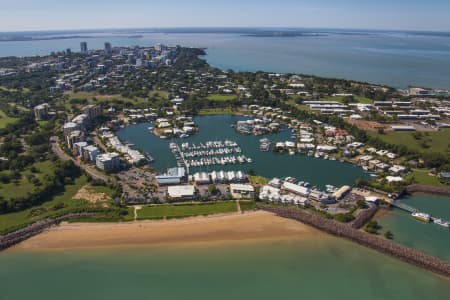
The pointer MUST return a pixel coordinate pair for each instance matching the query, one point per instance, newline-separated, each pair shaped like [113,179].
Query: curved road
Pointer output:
[54,140]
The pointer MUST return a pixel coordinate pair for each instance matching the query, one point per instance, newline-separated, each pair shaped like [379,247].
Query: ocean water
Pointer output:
[427,237]
[397,59]
[318,172]
[316,268]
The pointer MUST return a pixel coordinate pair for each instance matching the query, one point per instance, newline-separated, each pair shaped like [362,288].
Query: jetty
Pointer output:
[379,244]
[412,210]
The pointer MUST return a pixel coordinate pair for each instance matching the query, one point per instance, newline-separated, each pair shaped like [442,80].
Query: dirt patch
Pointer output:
[85,193]
[367,125]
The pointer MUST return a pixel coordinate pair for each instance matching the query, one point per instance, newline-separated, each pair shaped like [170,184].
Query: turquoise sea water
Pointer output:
[427,237]
[315,268]
[318,172]
[398,59]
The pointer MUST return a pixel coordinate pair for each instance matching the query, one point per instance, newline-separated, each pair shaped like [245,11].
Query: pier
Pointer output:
[411,210]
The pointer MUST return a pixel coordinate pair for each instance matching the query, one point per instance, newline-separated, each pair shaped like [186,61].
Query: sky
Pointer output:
[23,15]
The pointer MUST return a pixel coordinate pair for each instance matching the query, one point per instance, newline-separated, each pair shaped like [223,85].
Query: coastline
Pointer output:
[215,229]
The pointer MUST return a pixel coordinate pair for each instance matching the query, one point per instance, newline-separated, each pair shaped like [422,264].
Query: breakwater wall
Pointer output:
[385,246]
[420,188]
[363,217]
[20,235]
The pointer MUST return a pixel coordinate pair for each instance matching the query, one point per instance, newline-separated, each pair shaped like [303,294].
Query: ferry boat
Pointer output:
[442,223]
[421,217]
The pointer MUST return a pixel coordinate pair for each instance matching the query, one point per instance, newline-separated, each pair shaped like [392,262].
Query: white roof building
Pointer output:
[181,191]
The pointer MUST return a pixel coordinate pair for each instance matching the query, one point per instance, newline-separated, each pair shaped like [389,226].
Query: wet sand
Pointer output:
[254,226]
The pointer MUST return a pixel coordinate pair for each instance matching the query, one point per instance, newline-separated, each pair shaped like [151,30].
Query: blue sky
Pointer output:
[20,15]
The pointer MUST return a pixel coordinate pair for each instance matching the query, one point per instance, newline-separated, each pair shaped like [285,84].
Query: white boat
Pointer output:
[442,223]
[421,217]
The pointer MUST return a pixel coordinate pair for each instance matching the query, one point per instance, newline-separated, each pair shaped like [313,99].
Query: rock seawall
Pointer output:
[20,235]
[385,246]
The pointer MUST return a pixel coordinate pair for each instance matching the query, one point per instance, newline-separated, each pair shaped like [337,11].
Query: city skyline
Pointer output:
[349,14]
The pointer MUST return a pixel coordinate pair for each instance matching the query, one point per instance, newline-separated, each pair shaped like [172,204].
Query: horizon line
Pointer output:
[221,27]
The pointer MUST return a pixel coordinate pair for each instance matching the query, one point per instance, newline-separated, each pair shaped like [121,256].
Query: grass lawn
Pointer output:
[437,141]
[340,99]
[220,97]
[5,120]
[218,111]
[185,210]
[6,89]
[111,99]
[258,180]
[66,204]
[12,221]
[23,186]
[247,205]
[422,177]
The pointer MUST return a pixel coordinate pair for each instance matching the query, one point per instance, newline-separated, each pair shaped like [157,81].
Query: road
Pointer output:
[54,140]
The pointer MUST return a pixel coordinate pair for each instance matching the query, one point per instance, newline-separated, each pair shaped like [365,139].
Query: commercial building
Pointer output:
[341,192]
[296,189]
[181,192]
[172,176]
[242,191]
[41,111]
[108,161]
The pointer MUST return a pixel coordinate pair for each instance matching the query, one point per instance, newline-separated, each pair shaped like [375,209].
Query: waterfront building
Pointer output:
[70,127]
[341,192]
[82,120]
[108,161]
[83,47]
[181,192]
[172,176]
[41,111]
[74,137]
[202,178]
[242,191]
[92,111]
[90,153]
[77,148]
[275,182]
[269,193]
[296,189]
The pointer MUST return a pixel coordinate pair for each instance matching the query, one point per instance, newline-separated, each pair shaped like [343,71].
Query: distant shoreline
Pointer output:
[32,39]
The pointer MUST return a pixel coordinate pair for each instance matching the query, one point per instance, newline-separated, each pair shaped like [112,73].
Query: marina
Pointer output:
[210,153]
[269,164]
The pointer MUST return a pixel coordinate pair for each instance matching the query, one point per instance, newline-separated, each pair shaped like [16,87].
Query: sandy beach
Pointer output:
[254,226]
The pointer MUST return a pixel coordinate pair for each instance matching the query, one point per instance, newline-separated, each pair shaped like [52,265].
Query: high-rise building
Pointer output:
[41,111]
[108,48]
[68,51]
[92,111]
[83,46]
